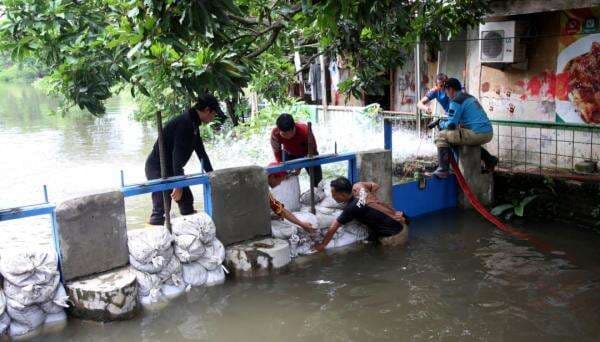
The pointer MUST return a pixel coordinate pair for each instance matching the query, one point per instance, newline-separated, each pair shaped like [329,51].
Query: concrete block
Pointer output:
[240,207]
[106,297]
[482,185]
[258,258]
[93,234]
[376,166]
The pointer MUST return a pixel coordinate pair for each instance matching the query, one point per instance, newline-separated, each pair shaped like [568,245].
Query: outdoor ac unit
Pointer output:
[500,42]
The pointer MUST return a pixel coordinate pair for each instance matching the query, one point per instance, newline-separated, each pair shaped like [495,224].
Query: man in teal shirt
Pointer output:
[466,124]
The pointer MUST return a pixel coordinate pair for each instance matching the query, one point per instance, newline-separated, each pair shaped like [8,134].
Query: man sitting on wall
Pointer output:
[274,179]
[292,138]
[466,124]
[386,225]
[438,93]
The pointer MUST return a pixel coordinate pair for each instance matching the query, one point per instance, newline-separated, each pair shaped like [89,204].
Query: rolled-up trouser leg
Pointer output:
[399,239]
[462,136]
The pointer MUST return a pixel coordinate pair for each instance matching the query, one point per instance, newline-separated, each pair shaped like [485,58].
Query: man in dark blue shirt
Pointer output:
[467,124]
[182,137]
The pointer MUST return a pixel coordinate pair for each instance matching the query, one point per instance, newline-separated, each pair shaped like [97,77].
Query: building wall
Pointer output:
[541,92]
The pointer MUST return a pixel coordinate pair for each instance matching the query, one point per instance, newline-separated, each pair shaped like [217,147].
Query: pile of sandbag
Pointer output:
[157,270]
[326,211]
[199,250]
[33,297]
[167,264]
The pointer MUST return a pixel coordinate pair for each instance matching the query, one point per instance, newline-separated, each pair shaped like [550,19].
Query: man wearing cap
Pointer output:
[181,138]
[274,179]
[439,93]
[292,138]
[466,124]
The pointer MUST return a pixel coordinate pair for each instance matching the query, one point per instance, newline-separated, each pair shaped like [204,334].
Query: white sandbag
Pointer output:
[215,277]
[154,302]
[288,193]
[19,331]
[319,196]
[147,283]
[325,186]
[199,224]
[4,323]
[2,302]
[357,229]
[59,302]
[194,274]
[329,202]
[344,239]
[33,293]
[172,291]
[281,229]
[156,263]
[31,316]
[23,268]
[294,240]
[305,217]
[188,248]
[55,322]
[4,318]
[324,220]
[213,256]
[146,244]
[171,273]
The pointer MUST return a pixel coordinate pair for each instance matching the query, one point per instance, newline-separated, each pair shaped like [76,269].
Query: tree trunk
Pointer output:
[231,103]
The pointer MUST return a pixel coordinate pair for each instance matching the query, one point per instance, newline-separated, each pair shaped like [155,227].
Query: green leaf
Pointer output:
[520,209]
[497,211]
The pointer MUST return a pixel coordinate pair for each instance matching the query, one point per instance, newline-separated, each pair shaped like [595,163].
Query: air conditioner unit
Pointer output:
[500,42]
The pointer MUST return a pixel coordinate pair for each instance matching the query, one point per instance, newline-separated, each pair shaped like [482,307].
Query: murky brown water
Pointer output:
[458,280]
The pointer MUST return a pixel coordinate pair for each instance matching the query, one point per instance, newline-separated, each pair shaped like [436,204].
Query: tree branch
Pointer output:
[310,60]
[276,29]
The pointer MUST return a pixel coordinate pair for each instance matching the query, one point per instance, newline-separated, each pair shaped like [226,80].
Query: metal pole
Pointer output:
[387,134]
[311,174]
[163,170]
[323,84]
[122,178]
[418,82]
[45,193]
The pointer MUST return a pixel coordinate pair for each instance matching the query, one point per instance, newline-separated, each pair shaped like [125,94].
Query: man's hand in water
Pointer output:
[318,247]
[308,228]
[176,194]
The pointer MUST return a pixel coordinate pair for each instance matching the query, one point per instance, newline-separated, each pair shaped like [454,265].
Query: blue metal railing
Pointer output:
[319,160]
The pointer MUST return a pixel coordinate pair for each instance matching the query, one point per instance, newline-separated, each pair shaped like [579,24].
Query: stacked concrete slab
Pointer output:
[376,166]
[92,233]
[240,203]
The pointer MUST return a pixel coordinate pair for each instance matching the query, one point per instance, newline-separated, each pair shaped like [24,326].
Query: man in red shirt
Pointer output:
[291,138]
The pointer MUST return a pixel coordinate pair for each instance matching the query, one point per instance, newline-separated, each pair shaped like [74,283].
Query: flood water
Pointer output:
[459,279]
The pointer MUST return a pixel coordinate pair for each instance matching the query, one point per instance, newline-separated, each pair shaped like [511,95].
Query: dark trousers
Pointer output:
[315,171]
[186,203]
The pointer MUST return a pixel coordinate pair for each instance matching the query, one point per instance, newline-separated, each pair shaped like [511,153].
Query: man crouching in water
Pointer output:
[386,225]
